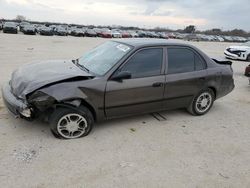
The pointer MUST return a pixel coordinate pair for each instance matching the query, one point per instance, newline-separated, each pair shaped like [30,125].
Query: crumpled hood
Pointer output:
[240,48]
[30,77]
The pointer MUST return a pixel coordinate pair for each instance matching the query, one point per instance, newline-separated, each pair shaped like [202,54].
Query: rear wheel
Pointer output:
[202,103]
[70,123]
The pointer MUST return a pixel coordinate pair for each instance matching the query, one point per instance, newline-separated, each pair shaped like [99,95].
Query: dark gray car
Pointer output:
[116,79]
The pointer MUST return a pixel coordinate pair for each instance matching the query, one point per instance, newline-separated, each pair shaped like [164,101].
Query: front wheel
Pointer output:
[70,123]
[202,103]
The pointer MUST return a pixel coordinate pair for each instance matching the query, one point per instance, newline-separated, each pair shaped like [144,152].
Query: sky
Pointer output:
[172,14]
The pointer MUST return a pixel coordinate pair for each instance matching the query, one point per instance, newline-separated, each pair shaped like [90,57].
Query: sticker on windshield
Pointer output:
[123,47]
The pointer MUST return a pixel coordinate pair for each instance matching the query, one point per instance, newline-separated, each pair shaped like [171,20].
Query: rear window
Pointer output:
[181,60]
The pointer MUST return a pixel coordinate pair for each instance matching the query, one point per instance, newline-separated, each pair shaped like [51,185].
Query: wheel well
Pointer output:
[82,102]
[214,90]
[92,110]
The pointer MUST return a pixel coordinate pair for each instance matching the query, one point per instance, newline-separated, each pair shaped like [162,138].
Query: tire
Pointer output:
[69,123]
[202,103]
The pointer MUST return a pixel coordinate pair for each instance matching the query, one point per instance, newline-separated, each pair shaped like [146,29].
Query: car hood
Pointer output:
[31,77]
[240,48]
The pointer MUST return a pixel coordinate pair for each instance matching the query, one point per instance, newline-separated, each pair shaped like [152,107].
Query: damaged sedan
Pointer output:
[238,52]
[116,79]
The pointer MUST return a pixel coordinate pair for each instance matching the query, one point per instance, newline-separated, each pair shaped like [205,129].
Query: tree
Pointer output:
[238,32]
[190,29]
[20,18]
[216,31]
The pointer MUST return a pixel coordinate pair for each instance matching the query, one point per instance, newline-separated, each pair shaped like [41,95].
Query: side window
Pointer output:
[180,60]
[145,63]
[199,63]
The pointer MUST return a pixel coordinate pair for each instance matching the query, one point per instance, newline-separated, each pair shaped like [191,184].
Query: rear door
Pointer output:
[142,93]
[186,75]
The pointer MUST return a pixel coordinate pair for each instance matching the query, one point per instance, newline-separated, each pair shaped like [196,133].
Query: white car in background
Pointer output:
[238,52]
[116,33]
[220,39]
[133,34]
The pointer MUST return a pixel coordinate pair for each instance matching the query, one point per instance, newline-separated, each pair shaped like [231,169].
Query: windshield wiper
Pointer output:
[76,62]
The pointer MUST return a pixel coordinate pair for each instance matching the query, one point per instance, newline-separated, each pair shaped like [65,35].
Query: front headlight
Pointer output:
[27,112]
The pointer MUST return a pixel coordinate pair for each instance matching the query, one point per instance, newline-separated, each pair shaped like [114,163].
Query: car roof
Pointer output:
[144,42]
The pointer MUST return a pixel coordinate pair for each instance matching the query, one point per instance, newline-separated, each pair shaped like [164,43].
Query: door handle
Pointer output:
[158,84]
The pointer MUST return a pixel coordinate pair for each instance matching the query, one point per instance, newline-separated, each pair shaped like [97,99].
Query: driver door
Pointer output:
[144,91]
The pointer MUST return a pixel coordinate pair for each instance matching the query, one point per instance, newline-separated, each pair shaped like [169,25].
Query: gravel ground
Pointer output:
[183,151]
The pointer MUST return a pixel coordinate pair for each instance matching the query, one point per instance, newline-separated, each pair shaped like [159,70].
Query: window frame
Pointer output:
[188,48]
[163,65]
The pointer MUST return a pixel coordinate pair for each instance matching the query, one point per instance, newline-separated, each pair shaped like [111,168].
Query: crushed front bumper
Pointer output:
[230,55]
[16,106]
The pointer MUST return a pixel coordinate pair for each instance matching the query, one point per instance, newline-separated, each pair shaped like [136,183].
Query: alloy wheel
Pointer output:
[72,126]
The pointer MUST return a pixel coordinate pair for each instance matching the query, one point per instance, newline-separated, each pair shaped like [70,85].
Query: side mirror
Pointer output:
[121,76]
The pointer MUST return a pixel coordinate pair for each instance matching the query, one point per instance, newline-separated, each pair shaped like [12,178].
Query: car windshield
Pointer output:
[10,24]
[102,58]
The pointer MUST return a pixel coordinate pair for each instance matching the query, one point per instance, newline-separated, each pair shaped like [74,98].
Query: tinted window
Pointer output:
[199,63]
[145,63]
[180,60]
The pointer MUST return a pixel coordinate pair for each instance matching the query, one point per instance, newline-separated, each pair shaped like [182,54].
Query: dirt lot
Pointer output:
[183,151]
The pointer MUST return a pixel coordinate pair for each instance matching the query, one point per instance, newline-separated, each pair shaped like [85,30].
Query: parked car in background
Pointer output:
[125,34]
[241,52]
[29,30]
[228,38]
[60,31]
[103,83]
[38,27]
[133,34]
[192,37]
[106,33]
[163,35]
[22,25]
[151,34]
[90,33]
[53,27]
[180,35]
[141,34]
[98,31]
[203,37]
[116,33]
[239,39]
[10,27]
[77,32]
[220,39]
[47,31]
[171,35]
